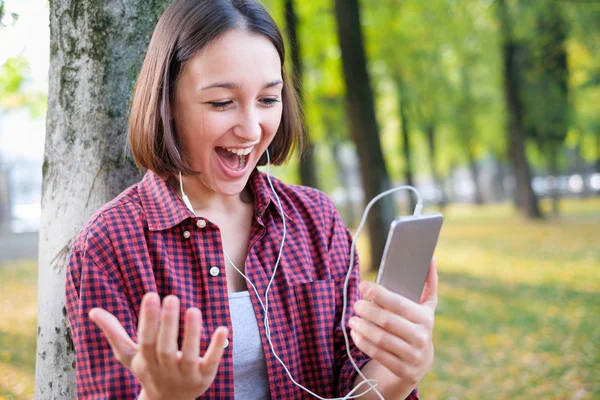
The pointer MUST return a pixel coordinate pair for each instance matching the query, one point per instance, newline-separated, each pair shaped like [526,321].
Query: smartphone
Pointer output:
[407,254]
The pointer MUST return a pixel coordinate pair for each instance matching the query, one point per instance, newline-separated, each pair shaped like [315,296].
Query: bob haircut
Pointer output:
[186,27]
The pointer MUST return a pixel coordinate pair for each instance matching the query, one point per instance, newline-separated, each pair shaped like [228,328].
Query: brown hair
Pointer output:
[186,27]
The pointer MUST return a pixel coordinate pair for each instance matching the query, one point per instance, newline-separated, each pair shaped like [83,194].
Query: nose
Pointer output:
[249,126]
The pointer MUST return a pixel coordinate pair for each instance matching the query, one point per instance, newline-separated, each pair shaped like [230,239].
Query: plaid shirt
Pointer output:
[146,240]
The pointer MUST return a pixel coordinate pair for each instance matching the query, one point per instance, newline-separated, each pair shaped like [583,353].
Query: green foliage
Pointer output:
[322,83]
[584,79]
[11,74]
[447,56]
[444,57]
[4,21]
[13,93]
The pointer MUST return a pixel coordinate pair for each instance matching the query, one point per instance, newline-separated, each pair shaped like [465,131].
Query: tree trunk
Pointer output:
[307,164]
[597,163]
[553,169]
[466,134]
[96,49]
[525,197]
[474,175]
[406,145]
[437,181]
[363,124]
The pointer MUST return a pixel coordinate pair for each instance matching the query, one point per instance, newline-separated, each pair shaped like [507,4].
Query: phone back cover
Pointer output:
[408,252]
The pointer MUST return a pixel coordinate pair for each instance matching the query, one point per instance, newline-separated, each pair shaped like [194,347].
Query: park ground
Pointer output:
[518,313]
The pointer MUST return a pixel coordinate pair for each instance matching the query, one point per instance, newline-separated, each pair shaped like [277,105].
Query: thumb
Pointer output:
[429,296]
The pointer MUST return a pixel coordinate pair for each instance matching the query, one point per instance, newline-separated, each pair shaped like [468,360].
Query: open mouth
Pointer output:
[235,159]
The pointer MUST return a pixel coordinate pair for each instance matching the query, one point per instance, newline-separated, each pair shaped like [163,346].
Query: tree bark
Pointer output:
[363,124]
[466,133]
[437,180]
[307,164]
[406,145]
[96,49]
[525,197]
[474,174]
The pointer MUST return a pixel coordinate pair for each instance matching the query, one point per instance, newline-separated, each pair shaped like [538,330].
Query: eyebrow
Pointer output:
[231,85]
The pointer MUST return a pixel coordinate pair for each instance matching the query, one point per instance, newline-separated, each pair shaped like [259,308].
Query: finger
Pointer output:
[429,296]
[210,362]
[122,346]
[385,358]
[393,302]
[385,340]
[190,348]
[387,320]
[166,345]
[148,327]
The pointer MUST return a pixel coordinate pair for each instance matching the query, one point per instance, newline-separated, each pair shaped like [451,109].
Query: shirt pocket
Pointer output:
[315,323]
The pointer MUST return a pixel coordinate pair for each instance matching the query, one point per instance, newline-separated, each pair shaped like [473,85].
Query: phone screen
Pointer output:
[408,253]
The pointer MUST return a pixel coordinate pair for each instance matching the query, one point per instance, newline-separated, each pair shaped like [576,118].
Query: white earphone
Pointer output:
[265,306]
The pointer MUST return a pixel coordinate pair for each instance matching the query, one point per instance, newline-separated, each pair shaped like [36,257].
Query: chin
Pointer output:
[232,188]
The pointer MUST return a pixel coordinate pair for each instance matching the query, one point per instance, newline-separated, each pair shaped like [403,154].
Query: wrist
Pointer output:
[390,385]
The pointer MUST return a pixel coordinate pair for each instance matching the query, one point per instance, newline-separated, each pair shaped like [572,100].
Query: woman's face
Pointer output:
[227,108]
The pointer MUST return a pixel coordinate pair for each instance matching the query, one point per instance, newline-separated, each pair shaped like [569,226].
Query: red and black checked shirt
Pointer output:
[146,240]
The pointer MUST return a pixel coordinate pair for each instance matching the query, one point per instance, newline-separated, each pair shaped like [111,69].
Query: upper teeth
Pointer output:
[240,152]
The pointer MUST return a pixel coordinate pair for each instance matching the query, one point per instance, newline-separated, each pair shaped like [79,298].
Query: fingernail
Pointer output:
[352,323]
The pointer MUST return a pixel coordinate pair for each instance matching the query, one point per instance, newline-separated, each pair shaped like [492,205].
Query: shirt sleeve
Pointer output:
[339,248]
[98,374]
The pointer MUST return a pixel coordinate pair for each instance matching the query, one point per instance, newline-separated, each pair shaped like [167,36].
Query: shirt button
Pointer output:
[226,344]
[186,234]
[214,271]
[201,223]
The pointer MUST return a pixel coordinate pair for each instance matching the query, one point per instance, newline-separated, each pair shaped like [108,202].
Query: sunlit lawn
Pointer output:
[18,302]
[519,306]
[518,316]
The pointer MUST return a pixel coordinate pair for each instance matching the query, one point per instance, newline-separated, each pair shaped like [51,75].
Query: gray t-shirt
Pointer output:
[249,364]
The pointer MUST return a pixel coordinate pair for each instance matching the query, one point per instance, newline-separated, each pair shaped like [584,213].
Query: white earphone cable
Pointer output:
[265,306]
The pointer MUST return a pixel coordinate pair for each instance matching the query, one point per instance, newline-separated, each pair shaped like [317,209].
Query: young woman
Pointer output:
[204,229]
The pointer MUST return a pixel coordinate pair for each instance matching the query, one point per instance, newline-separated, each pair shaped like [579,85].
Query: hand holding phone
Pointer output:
[407,254]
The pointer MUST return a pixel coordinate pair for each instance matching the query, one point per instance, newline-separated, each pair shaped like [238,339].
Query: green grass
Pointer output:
[18,302]
[519,305]
[518,313]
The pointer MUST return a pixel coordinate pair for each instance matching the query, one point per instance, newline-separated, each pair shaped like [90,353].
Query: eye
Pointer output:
[219,105]
[270,102]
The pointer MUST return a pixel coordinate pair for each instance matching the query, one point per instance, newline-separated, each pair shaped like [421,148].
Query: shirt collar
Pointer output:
[165,210]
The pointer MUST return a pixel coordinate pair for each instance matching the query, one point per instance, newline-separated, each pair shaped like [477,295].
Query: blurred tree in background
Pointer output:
[307,168]
[477,101]
[471,101]
[364,127]
[14,72]
[525,199]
